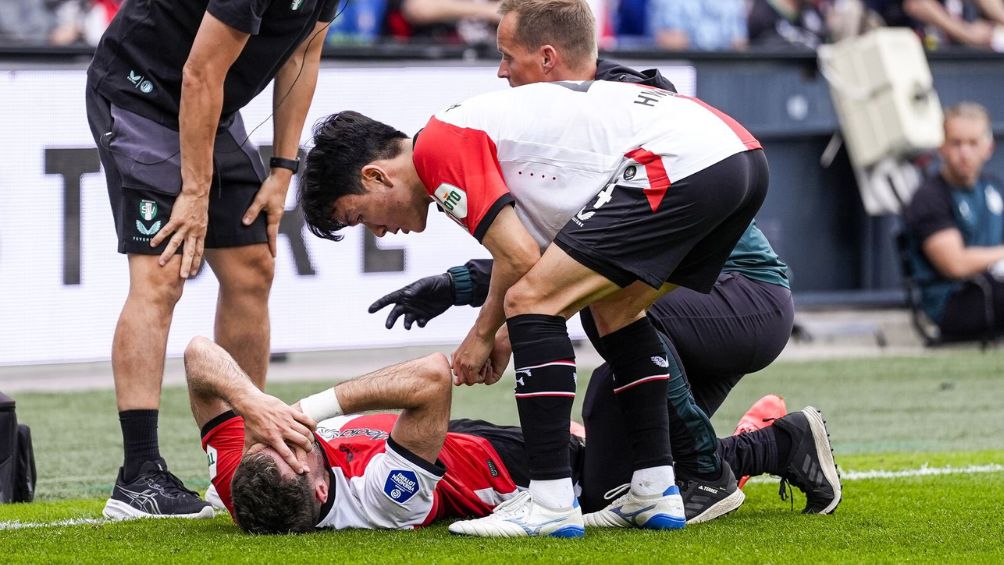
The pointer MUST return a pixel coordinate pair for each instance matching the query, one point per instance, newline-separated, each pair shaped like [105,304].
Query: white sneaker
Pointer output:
[520,517]
[660,512]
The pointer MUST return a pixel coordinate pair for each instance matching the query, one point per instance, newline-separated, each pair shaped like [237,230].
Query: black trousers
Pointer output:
[739,328]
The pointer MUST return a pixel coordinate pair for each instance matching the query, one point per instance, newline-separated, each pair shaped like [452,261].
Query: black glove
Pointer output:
[419,302]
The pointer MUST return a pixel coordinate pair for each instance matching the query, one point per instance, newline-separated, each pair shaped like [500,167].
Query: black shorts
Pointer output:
[142,162]
[508,443]
[685,240]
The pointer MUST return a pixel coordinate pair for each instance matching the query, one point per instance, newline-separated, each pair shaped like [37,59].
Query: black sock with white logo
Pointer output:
[545,389]
[641,373]
[139,440]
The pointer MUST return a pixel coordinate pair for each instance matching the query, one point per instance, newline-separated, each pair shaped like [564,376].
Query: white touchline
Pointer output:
[16,525]
[923,471]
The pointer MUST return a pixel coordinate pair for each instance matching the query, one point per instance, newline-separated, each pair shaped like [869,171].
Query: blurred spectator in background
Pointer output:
[24,21]
[449,21]
[81,21]
[974,23]
[956,223]
[704,25]
[776,23]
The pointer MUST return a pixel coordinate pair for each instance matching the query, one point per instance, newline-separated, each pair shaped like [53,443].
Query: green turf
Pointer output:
[886,413]
[953,518]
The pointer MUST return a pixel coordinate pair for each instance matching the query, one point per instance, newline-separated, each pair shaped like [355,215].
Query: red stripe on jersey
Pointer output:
[658,180]
[744,136]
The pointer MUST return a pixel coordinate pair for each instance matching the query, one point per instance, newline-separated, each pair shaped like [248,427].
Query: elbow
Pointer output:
[194,77]
[195,351]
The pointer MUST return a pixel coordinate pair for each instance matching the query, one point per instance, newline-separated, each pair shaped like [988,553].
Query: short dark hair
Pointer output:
[267,503]
[343,144]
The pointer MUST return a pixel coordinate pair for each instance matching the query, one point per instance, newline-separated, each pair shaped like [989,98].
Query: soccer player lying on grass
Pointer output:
[375,471]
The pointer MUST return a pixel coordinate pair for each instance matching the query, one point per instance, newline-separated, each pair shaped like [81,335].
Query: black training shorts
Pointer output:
[142,162]
[684,238]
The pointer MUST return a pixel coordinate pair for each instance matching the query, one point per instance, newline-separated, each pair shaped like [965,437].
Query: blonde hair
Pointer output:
[569,25]
[972,111]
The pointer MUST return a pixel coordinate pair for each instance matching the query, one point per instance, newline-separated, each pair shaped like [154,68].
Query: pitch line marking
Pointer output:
[923,471]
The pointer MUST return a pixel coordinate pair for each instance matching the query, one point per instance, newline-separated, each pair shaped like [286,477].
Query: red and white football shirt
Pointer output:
[378,486]
[551,147]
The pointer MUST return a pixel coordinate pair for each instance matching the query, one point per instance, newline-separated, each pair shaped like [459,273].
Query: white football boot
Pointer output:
[659,512]
[521,517]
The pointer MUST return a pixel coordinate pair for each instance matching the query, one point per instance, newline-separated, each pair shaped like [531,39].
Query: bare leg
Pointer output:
[242,320]
[140,341]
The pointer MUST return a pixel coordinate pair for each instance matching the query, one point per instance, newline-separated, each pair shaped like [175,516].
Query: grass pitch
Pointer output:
[894,416]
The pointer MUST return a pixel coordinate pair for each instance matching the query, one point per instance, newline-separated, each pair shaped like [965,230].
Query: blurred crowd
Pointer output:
[695,25]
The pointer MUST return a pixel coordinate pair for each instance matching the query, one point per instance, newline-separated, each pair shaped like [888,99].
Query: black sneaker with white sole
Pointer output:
[705,500]
[154,493]
[810,466]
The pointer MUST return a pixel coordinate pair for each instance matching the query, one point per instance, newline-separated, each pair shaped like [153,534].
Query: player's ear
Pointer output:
[376,174]
[548,58]
[321,491]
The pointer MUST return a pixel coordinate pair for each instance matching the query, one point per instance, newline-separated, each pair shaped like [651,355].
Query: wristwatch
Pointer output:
[291,164]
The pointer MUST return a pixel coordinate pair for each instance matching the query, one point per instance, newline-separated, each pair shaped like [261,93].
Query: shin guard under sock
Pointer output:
[641,374]
[545,389]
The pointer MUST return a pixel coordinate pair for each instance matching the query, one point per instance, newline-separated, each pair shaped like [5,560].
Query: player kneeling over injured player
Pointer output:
[394,471]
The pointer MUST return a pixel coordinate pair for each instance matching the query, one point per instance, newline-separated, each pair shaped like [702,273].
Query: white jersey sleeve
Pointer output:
[396,491]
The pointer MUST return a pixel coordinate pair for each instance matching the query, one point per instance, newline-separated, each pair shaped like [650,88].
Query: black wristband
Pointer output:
[463,287]
[291,164]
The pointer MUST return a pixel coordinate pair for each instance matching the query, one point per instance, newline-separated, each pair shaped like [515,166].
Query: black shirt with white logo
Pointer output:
[138,63]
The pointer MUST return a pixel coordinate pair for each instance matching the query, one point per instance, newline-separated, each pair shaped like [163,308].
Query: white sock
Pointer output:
[652,480]
[557,493]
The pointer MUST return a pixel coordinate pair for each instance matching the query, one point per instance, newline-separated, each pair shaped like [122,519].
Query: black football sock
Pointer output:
[545,389]
[139,440]
[760,452]
[641,374]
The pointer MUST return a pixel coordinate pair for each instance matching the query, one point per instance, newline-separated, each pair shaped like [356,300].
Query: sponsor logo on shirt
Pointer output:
[144,86]
[660,361]
[372,433]
[492,468]
[401,485]
[453,199]
[295,5]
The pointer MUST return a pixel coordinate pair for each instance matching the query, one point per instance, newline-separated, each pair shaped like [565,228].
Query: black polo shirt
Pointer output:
[139,61]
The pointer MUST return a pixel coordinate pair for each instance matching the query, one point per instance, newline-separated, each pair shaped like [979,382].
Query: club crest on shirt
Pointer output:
[453,199]
[401,485]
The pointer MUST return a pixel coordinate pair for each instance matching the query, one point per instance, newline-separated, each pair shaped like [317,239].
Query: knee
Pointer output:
[160,287]
[253,277]
[521,298]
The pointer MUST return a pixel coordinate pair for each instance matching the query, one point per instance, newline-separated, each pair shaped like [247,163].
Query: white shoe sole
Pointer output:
[116,510]
[724,506]
[824,451]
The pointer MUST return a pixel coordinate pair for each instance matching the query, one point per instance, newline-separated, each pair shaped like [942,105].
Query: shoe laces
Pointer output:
[785,492]
[513,506]
[617,493]
[170,483]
